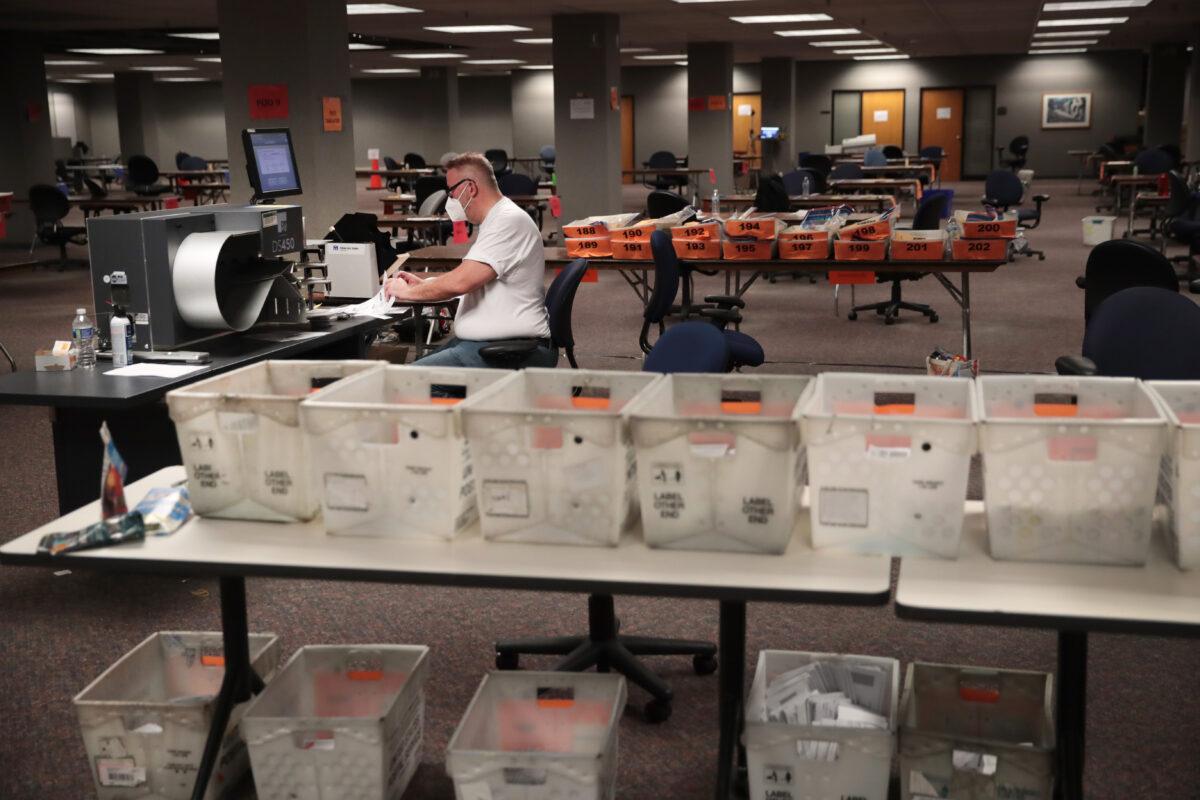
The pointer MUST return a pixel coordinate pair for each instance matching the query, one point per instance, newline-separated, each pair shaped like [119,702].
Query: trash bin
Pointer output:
[1097,229]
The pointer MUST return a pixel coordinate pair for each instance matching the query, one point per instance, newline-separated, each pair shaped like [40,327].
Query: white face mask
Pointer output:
[456,210]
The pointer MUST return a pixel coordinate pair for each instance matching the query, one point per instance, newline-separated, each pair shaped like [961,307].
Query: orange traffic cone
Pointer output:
[376,181]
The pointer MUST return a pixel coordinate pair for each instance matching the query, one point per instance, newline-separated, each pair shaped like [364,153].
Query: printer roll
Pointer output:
[220,281]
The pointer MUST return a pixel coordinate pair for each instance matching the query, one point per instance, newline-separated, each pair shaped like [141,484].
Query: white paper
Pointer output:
[373,154]
[286,336]
[943,112]
[145,369]
[881,115]
[583,108]
[745,110]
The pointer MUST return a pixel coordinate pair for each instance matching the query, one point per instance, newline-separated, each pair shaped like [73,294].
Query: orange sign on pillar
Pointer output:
[268,100]
[331,114]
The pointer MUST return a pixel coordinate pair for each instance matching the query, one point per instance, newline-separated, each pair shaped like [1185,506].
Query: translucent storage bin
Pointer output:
[976,734]
[145,720]
[552,458]
[888,461]
[240,437]
[389,457]
[539,736]
[1070,467]
[719,461]
[1179,477]
[339,722]
[814,762]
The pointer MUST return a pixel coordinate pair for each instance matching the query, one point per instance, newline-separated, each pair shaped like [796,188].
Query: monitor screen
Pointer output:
[271,162]
[769,132]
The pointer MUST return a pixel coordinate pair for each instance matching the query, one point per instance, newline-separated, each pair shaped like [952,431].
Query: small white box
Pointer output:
[539,736]
[352,270]
[719,461]
[240,437]
[1070,467]
[781,758]
[339,721]
[1179,478]
[145,720]
[976,734]
[888,460]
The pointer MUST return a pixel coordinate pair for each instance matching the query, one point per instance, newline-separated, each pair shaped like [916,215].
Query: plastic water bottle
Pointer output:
[716,202]
[806,186]
[83,335]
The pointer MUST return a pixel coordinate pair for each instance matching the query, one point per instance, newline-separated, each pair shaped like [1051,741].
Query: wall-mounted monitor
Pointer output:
[768,132]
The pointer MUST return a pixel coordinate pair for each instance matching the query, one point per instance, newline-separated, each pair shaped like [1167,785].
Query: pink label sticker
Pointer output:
[460,232]
[1071,448]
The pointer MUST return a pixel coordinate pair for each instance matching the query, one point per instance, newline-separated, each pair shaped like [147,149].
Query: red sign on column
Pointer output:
[268,100]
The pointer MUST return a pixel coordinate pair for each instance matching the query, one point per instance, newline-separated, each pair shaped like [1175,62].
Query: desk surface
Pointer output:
[1148,180]
[665,171]
[81,388]
[229,547]
[798,200]
[974,588]
[402,172]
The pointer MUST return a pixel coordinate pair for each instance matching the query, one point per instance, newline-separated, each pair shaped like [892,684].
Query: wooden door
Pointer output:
[747,120]
[942,125]
[627,140]
[883,115]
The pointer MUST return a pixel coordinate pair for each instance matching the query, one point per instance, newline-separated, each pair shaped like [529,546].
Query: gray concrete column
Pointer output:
[779,108]
[439,114]
[532,110]
[1191,150]
[1166,79]
[587,70]
[137,118]
[26,157]
[710,127]
[303,45]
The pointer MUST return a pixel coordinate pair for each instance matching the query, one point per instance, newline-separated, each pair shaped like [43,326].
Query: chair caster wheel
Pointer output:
[1081,282]
[1041,257]
[889,320]
[657,711]
[508,661]
[1194,286]
[852,315]
[933,318]
[881,311]
[704,665]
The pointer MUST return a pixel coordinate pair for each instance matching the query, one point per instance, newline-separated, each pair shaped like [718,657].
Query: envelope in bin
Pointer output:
[590,227]
[829,218]
[987,224]
[878,227]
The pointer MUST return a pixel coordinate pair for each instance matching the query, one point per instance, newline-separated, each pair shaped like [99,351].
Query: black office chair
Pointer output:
[892,151]
[794,182]
[689,347]
[193,163]
[427,185]
[516,184]
[820,164]
[1003,191]
[660,203]
[390,163]
[1181,222]
[49,206]
[1153,162]
[179,157]
[772,195]
[95,190]
[549,156]
[414,161]
[511,354]
[934,155]
[499,160]
[1136,333]
[1176,154]
[846,171]
[719,310]
[663,159]
[142,177]
[928,218]
[1120,264]
[1019,150]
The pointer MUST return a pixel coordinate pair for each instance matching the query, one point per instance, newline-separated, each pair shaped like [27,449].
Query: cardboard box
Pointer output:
[854,250]
[966,249]
[589,247]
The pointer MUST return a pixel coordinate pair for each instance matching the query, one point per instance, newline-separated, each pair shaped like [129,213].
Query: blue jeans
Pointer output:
[465,353]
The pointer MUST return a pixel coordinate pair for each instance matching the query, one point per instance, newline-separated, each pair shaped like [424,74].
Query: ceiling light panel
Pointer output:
[210,36]
[354,9]
[820,32]
[478,29]
[1076,23]
[115,51]
[763,19]
[1095,5]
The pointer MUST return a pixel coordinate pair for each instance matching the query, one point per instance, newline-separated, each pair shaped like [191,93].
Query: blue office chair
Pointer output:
[549,156]
[874,157]
[1153,162]
[689,347]
[818,163]
[719,310]
[1003,191]
[1182,223]
[193,163]
[516,184]
[794,182]
[1136,333]
[1120,264]
[846,171]
[560,303]
[928,218]
[934,155]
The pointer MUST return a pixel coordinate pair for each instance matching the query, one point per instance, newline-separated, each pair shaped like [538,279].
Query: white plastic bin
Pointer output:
[719,461]
[1070,467]
[1097,229]
[145,720]
[539,736]
[240,437]
[339,722]
[783,760]
[888,461]
[389,457]
[1179,478]
[552,459]
[976,734]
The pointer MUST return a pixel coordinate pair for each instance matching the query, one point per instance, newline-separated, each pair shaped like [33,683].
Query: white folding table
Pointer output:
[233,550]
[1073,599]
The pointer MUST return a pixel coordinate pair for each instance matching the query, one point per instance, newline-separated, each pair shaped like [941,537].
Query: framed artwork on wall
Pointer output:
[1067,110]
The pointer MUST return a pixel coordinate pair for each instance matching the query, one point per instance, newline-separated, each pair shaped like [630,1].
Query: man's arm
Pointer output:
[466,277]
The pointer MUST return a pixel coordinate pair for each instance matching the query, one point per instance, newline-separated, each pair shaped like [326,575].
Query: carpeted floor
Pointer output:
[59,632]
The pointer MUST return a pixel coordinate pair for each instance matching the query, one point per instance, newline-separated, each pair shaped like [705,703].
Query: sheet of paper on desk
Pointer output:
[286,336]
[145,369]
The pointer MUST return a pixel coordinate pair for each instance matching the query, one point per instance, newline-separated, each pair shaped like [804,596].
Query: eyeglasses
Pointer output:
[450,190]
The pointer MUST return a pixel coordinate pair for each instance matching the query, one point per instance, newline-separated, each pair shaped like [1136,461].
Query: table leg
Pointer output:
[1132,210]
[240,681]
[732,648]
[1072,713]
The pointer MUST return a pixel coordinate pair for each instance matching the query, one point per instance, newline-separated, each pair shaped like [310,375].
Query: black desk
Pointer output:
[134,408]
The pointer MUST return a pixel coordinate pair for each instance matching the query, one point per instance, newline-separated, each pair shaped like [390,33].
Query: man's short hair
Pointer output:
[476,164]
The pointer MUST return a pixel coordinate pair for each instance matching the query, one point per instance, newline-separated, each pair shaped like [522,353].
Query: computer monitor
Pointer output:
[271,162]
[768,132]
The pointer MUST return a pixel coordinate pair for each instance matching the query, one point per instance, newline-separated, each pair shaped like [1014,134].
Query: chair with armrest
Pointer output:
[1003,191]
[1018,149]
[794,182]
[49,206]
[689,347]
[499,159]
[1136,333]
[390,163]
[1181,222]
[142,176]
[874,157]
[549,156]
[1120,264]
[818,163]
[661,203]
[426,186]
[560,301]
[663,159]
[892,151]
[928,218]
[846,171]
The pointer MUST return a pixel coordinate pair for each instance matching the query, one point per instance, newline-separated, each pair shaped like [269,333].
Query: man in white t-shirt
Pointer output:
[500,279]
